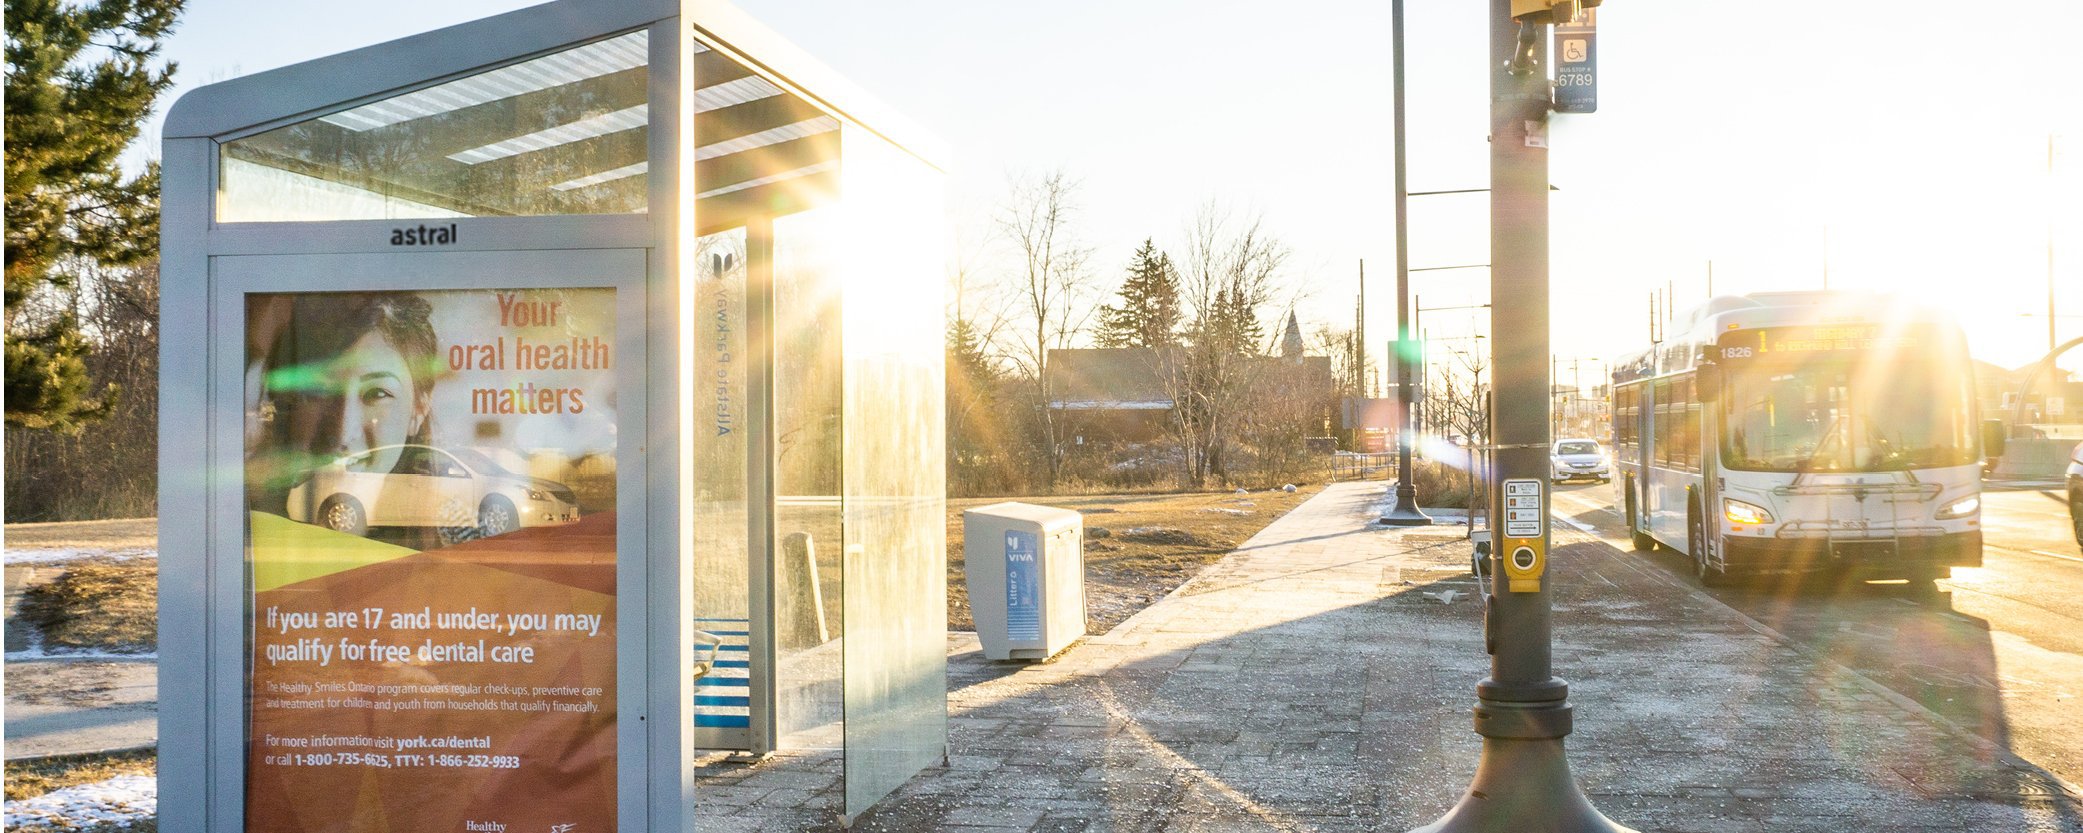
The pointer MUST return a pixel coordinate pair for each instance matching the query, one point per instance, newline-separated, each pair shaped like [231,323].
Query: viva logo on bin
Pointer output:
[1022,585]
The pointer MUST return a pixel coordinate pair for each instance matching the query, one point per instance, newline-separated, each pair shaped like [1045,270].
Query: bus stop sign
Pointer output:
[1576,64]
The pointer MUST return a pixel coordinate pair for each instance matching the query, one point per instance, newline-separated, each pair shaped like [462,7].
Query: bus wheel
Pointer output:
[1635,535]
[1696,540]
[1924,578]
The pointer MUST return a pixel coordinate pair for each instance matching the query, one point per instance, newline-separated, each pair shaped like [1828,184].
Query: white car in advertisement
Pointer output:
[1578,459]
[462,492]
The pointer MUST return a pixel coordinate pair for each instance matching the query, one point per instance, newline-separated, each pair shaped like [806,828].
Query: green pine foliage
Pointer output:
[1232,326]
[979,426]
[1149,313]
[82,77]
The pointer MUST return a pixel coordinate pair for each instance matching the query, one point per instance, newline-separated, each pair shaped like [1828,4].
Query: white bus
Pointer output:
[1804,431]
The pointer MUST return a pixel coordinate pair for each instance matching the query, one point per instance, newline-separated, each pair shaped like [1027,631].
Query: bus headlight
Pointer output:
[1960,508]
[1744,513]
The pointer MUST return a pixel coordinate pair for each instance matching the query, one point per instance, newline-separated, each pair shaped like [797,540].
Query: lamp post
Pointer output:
[1405,511]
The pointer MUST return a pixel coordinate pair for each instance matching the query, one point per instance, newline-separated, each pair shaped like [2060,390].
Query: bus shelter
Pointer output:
[545,399]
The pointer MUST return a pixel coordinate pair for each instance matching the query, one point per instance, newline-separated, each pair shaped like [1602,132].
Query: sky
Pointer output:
[1901,148]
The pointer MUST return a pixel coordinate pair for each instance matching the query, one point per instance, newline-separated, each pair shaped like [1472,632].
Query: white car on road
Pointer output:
[1576,459]
[462,492]
[2075,484]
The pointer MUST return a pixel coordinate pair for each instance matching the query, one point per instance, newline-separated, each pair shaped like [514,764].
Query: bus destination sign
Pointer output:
[1742,345]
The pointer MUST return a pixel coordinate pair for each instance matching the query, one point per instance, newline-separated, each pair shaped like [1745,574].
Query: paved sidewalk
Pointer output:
[70,706]
[1320,677]
[66,705]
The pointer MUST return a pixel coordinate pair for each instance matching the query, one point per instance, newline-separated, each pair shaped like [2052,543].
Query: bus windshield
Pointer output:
[1848,413]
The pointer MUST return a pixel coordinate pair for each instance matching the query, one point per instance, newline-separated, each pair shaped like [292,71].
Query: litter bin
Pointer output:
[1025,566]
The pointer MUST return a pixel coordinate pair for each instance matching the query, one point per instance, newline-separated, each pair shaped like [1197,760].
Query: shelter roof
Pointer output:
[388,70]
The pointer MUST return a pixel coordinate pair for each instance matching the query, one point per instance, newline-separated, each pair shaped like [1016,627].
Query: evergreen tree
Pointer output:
[1231,327]
[966,359]
[1149,312]
[81,79]
[972,404]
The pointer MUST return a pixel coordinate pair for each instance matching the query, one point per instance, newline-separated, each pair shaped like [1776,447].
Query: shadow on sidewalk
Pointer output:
[1877,648]
[1357,718]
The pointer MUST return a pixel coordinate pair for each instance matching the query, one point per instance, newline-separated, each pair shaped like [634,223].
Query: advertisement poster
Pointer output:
[430,485]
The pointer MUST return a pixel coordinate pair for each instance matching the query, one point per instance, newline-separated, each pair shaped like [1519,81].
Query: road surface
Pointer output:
[1998,651]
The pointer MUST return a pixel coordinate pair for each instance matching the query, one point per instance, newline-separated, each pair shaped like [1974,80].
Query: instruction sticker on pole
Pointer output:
[1525,516]
[1525,530]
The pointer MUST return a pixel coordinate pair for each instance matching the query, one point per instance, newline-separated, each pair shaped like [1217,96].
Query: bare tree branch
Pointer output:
[1051,281]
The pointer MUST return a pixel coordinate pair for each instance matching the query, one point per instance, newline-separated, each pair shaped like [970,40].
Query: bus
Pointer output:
[1804,431]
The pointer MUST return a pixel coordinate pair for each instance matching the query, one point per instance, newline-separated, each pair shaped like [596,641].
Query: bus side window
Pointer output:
[1620,423]
[1660,423]
[1695,458]
[1634,424]
[1683,437]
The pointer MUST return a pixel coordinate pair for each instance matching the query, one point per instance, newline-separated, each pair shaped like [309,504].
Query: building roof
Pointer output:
[1132,378]
[1125,378]
[1291,341]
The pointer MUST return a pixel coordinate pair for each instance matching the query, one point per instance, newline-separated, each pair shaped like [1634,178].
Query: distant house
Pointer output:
[1120,394]
[1111,394]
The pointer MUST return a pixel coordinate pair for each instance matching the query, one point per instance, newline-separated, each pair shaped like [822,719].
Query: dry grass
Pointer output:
[98,605]
[1440,485]
[118,535]
[1125,573]
[36,776]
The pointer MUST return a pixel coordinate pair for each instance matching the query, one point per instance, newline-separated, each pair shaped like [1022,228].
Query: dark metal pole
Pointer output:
[1419,424]
[1522,782]
[1405,512]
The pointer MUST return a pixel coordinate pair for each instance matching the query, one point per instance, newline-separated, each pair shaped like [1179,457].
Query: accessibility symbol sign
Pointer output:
[1576,64]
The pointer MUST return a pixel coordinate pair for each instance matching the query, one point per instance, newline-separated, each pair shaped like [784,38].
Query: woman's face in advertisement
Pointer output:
[377,408]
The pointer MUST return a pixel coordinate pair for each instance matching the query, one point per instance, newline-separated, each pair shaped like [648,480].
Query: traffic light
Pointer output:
[1549,11]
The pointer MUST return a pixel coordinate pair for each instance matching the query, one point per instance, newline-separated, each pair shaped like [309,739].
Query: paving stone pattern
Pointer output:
[1320,678]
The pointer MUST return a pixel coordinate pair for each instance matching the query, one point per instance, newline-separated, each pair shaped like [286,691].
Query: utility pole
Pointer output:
[1405,512]
[1360,334]
[1654,305]
[1522,782]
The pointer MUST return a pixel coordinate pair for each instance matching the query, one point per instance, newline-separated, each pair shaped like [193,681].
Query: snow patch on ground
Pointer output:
[70,554]
[36,652]
[123,799]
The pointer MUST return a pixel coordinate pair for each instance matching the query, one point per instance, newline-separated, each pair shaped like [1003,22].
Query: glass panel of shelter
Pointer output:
[895,509]
[846,293]
[766,165]
[563,133]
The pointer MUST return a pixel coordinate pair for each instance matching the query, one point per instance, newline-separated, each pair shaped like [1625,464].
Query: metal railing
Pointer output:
[1348,465]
